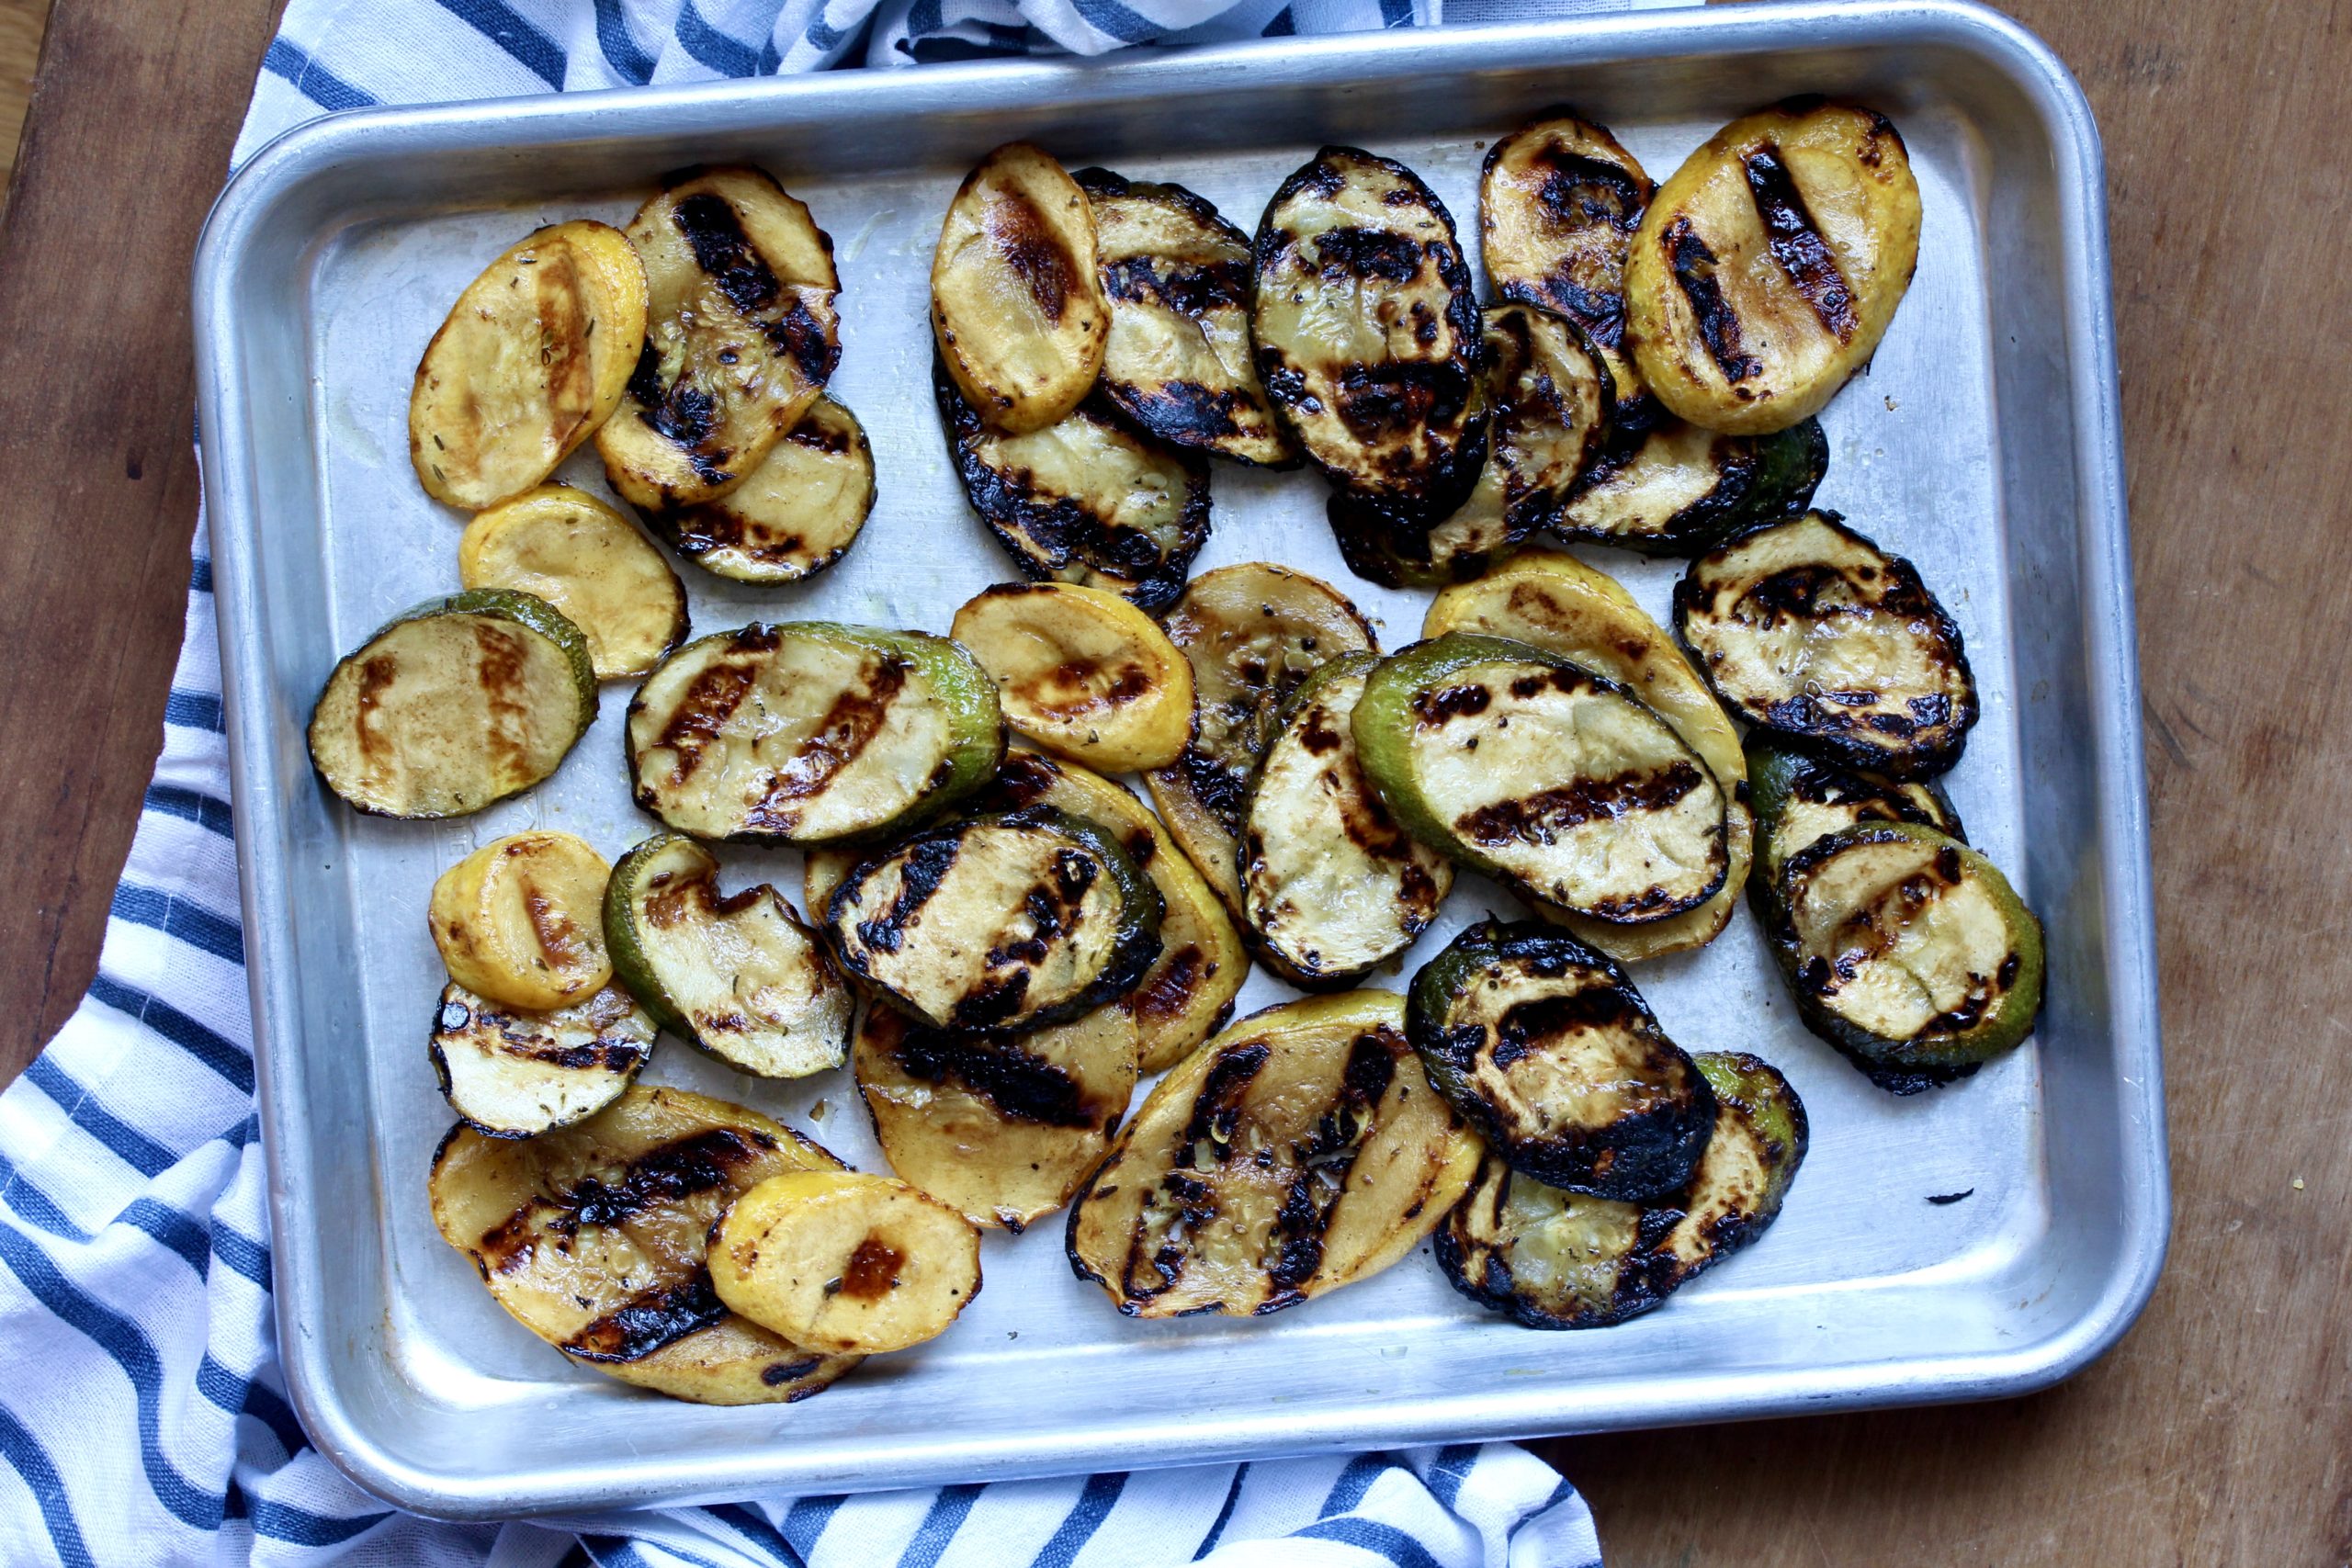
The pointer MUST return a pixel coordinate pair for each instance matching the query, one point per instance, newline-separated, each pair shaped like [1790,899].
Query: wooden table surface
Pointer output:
[2220,1431]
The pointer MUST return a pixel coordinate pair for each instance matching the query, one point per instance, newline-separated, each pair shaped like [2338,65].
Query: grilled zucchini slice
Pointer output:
[1178,361]
[797,514]
[1299,1151]
[1769,265]
[1332,886]
[1016,304]
[511,1074]
[568,547]
[454,705]
[735,974]
[1536,771]
[1802,799]
[1367,333]
[515,920]
[1808,630]
[811,732]
[1907,950]
[533,357]
[593,1238]
[843,1263]
[1000,1130]
[999,924]
[1552,1259]
[1675,490]
[1082,672]
[1252,633]
[742,335]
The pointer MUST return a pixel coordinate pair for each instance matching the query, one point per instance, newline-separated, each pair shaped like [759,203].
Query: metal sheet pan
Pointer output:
[1982,443]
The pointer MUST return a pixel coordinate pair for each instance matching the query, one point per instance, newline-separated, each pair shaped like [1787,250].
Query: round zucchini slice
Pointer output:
[510,1074]
[1299,1151]
[1332,886]
[515,920]
[1252,633]
[1000,924]
[1808,630]
[1082,672]
[1178,362]
[743,334]
[844,1262]
[811,732]
[1016,304]
[595,1238]
[1672,489]
[797,514]
[1368,332]
[1768,267]
[1000,1130]
[454,705]
[1907,950]
[594,565]
[534,356]
[735,974]
[1802,799]
[1546,1048]
[1536,771]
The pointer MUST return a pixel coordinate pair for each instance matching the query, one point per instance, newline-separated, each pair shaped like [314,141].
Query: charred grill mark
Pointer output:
[1186,411]
[725,252]
[564,340]
[1393,395]
[377,672]
[1797,242]
[1435,709]
[1018,1083]
[1168,993]
[1603,206]
[1534,1024]
[1542,817]
[1323,1163]
[1693,265]
[819,434]
[514,1241]
[660,1177]
[850,725]
[1341,254]
[872,1271]
[1191,289]
[922,868]
[499,658]
[1021,235]
[777,1373]
[645,380]
[696,724]
[1023,779]
[645,1322]
[1217,1110]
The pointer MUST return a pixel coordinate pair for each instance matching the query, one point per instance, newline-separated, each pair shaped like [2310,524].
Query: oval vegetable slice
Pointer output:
[1907,950]
[1558,781]
[1675,490]
[1000,1130]
[1016,305]
[1368,332]
[1769,265]
[1299,1151]
[593,1238]
[809,732]
[735,974]
[742,336]
[1252,633]
[1545,1047]
[568,547]
[454,705]
[1802,799]
[533,357]
[1000,924]
[1082,672]
[843,1263]
[795,514]
[516,920]
[1178,361]
[512,1074]
[1332,886]
[1809,629]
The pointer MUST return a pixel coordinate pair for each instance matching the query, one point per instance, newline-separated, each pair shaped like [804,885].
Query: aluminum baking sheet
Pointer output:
[1982,443]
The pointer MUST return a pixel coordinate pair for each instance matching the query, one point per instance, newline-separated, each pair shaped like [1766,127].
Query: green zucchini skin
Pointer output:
[1799,798]
[1761,478]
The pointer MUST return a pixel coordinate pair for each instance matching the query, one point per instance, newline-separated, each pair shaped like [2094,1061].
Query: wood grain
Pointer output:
[21,22]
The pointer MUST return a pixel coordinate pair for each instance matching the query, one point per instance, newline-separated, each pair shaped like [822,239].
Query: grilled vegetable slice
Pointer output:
[571,550]
[1015,303]
[809,732]
[999,924]
[737,975]
[1555,602]
[1802,799]
[512,1074]
[533,357]
[1545,1047]
[1809,629]
[1769,265]
[593,1238]
[1558,781]
[1367,333]
[454,705]
[516,920]
[1908,950]
[1676,489]
[743,334]
[1332,886]
[1299,1151]
[1084,500]
[1553,1258]
[1082,672]
[1252,633]
[843,1263]
[1000,1130]
[797,514]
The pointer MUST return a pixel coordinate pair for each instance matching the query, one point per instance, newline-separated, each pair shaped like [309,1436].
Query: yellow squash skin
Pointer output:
[518,920]
[571,550]
[1081,673]
[844,1262]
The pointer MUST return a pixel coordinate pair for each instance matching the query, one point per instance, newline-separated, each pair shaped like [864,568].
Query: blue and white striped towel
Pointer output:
[142,1415]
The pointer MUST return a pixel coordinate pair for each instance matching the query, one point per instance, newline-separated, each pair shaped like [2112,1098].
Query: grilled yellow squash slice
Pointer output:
[1082,672]
[517,920]
[512,1073]
[590,562]
[844,1262]
[797,514]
